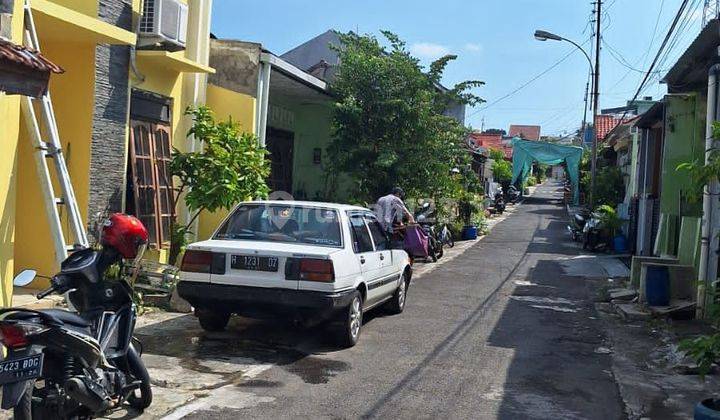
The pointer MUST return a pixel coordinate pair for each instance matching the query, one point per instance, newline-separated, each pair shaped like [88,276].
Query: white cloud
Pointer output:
[428,50]
[476,48]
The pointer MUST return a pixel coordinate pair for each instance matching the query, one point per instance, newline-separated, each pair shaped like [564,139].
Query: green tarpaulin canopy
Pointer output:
[525,152]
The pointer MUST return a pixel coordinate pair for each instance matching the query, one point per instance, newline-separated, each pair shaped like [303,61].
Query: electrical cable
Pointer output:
[529,82]
[676,19]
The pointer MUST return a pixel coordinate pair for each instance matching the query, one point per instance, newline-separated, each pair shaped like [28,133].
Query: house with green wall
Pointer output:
[673,132]
[292,115]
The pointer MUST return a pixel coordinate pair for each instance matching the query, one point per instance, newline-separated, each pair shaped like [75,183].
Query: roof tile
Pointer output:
[26,57]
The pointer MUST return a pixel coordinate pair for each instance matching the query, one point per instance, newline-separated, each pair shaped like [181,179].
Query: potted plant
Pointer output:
[704,350]
[467,208]
[612,222]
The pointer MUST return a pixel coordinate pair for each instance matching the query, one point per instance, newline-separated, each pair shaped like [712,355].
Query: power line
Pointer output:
[668,35]
[529,82]
[647,51]
[620,59]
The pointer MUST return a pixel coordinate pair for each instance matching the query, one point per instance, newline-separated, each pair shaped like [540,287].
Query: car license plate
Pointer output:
[254,263]
[16,370]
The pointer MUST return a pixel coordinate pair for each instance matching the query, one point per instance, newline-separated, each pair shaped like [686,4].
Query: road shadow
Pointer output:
[298,349]
[559,368]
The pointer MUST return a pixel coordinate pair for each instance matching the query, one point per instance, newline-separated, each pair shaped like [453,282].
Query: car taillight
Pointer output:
[310,269]
[195,261]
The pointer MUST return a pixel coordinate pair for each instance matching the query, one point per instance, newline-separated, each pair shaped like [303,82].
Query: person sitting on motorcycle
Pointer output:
[391,210]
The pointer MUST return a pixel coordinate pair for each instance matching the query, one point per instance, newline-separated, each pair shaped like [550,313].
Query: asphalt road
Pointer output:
[502,331]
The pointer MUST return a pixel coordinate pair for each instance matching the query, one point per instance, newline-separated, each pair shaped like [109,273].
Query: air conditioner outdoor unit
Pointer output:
[164,22]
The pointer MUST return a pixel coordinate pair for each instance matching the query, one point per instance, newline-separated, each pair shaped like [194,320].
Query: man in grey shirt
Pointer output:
[391,208]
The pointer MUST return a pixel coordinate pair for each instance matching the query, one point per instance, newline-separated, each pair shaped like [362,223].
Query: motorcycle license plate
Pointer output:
[16,370]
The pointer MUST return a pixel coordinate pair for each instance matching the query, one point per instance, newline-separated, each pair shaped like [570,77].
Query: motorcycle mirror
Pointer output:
[24,278]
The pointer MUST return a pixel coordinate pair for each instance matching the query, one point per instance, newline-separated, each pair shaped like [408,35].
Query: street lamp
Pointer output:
[541,35]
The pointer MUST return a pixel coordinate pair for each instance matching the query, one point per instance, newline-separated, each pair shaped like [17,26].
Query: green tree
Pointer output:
[495,131]
[496,154]
[502,171]
[230,167]
[388,122]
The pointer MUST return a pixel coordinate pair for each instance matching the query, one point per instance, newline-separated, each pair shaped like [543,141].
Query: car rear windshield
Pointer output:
[281,223]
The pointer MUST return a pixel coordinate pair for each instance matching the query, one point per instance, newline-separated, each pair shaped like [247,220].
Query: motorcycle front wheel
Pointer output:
[449,240]
[141,398]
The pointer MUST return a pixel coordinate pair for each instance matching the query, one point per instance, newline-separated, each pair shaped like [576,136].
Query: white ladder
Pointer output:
[50,149]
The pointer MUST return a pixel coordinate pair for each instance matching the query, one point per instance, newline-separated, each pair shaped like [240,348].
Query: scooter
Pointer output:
[69,365]
[595,237]
[424,218]
[499,203]
[577,224]
[512,195]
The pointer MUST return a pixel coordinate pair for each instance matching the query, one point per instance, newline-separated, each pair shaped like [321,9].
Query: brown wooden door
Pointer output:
[150,154]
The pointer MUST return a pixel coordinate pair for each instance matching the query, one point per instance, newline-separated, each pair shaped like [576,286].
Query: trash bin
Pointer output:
[657,286]
[620,244]
[707,410]
[469,233]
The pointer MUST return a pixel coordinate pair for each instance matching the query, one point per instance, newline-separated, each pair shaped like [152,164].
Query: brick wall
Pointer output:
[108,155]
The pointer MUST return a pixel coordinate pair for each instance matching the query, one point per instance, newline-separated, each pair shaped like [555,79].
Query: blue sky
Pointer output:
[494,42]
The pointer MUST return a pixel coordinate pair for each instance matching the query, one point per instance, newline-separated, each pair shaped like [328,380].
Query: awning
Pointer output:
[525,152]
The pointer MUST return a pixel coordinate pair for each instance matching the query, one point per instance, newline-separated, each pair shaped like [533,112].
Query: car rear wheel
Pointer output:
[212,321]
[351,318]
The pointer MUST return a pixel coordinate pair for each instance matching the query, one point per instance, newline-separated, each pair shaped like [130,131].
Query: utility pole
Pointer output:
[584,122]
[596,94]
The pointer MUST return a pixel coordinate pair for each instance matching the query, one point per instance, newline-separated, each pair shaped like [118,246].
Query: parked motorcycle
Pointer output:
[595,237]
[499,203]
[424,217]
[512,195]
[577,224]
[445,237]
[62,364]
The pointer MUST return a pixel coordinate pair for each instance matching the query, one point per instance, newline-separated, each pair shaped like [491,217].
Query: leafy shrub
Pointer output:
[502,171]
[705,349]
[609,186]
[609,218]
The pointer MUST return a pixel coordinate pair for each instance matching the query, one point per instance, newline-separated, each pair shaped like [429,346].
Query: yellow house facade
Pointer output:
[119,107]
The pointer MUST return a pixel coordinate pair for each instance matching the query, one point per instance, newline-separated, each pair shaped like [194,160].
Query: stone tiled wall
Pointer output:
[108,155]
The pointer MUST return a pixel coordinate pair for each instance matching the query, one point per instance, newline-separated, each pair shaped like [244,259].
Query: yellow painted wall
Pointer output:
[241,108]
[73,97]
[73,100]
[228,104]
[9,127]
[86,7]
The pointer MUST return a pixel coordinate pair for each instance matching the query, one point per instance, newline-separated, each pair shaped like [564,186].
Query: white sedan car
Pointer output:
[306,260]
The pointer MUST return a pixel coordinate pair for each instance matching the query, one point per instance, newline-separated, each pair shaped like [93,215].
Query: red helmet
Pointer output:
[124,233]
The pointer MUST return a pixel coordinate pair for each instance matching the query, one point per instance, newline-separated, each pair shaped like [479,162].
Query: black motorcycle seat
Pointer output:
[67,317]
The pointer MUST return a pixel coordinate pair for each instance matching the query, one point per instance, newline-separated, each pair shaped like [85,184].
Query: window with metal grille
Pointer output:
[152,185]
